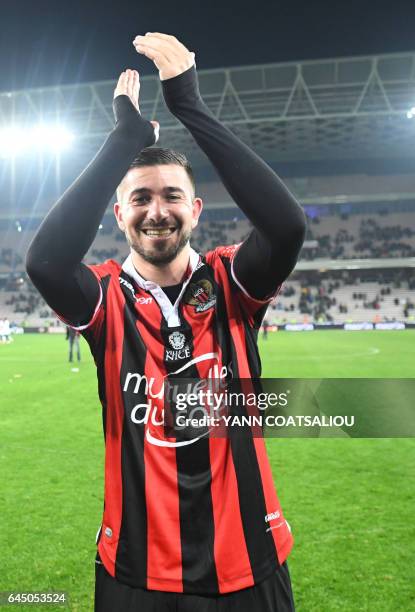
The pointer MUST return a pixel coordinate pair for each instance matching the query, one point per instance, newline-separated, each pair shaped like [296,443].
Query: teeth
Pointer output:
[163,232]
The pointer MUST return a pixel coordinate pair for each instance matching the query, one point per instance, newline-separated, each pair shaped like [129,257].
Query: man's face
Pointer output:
[157,211]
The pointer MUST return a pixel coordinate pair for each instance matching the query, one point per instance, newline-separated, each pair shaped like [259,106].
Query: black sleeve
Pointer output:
[269,254]
[53,261]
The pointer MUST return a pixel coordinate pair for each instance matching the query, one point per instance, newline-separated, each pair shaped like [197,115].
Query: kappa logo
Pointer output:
[200,295]
[140,300]
[272,516]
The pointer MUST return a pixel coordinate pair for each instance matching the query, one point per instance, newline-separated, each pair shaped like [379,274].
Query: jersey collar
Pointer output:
[147,285]
[170,311]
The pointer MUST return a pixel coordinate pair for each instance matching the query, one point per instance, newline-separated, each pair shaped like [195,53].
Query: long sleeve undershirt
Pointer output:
[270,252]
[264,260]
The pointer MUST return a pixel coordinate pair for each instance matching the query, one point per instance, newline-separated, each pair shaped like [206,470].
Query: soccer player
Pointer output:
[194,526]
[5,331]
[72,335]
[265,327]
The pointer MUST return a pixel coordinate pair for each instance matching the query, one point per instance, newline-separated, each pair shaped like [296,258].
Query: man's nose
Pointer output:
[157,211]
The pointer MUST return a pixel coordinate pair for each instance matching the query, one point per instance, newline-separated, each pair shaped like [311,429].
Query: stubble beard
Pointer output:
[160,256]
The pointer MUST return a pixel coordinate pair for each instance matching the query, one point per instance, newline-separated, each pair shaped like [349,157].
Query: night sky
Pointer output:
[47,42]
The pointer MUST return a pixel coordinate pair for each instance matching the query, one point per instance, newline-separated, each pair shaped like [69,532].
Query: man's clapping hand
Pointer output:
[169,55]
[129,85]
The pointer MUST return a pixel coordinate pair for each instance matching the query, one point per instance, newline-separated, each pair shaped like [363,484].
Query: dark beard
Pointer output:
[162,257]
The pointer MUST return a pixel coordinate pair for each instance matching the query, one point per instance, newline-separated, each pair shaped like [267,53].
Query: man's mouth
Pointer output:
[162,232]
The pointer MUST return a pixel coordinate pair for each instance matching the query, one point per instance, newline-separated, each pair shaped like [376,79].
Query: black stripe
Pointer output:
[259,315]
[223,333]
[99,354]
[194,485]
[97,347]
[260,544]
[131,561]
[252,352]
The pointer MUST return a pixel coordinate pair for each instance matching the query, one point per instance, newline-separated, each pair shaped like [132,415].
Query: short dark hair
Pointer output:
[157,156]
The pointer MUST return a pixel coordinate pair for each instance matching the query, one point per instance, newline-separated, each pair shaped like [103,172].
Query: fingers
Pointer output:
[133,81]
[163,38]
[160,35]
[123,81]
[167,39]
[129,85]
[160,60]
[153,48]
[135,88]
[120,84]
[169,55]
[156,127]
[165,44]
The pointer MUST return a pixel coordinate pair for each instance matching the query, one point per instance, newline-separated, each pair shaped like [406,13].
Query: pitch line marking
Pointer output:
[371,351]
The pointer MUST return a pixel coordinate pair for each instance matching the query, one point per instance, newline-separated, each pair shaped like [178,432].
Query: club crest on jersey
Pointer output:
[177,340]
[180,351]
[200,295]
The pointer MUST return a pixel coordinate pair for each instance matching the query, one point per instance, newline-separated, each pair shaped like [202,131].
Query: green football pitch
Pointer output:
[350,502]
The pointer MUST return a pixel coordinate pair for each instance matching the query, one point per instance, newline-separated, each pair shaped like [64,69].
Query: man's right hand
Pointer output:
[129,85]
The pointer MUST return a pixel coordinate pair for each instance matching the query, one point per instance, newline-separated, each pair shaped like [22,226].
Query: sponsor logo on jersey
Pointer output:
[151,413]
[140,300]
[200,295]
[272,516]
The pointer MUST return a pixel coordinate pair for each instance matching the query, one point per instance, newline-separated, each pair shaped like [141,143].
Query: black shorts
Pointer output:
[272,595]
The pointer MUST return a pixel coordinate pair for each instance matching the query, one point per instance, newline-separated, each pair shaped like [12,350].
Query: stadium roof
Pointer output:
[342,108]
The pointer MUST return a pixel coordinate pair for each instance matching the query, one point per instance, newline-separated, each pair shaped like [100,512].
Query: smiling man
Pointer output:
[194,524]
[158,216]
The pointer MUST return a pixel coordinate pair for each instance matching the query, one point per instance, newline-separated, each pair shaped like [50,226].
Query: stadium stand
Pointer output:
[357,236]
[323,297]
[345,299]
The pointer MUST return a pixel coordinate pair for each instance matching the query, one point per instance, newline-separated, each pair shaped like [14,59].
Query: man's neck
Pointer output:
[164,275]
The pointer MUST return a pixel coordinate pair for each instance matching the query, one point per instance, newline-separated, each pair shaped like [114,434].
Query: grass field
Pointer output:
[350,502]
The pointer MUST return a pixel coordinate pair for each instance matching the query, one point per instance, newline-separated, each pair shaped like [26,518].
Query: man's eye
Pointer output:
[141,200]
[172,196]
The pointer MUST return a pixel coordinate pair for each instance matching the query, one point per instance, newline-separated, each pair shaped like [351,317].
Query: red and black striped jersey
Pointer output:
[196,518]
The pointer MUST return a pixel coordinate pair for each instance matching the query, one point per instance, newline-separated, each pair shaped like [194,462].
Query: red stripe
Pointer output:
[281,535]
[164,554]
[279,530]
[232,563]
[233,567]
[283,539]
[114,426]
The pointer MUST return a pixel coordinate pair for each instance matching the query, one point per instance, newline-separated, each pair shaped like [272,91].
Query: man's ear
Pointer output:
[197,210]
[118,216]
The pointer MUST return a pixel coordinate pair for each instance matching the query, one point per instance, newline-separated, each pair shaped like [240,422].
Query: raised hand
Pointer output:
[129,85]
[169,55]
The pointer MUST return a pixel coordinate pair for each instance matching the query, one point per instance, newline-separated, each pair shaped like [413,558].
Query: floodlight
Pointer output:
[15,140]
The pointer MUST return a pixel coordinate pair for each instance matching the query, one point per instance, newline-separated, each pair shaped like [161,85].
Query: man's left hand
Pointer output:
[169,55]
